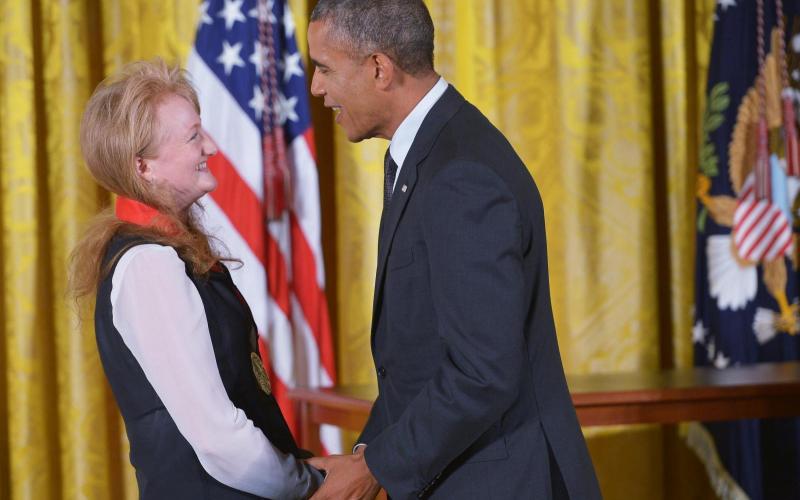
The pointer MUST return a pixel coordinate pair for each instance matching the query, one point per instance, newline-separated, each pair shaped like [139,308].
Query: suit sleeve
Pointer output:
[473,236]
[374,423]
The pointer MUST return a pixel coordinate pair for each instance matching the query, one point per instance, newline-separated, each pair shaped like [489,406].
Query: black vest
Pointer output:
[166,465]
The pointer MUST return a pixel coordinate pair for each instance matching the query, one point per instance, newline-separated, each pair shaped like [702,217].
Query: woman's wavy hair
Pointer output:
[118,126]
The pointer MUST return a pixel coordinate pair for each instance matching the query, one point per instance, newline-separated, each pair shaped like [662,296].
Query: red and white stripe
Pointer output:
[761,230]
[282,274]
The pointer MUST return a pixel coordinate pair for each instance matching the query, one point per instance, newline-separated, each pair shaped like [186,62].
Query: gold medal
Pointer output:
[260,373]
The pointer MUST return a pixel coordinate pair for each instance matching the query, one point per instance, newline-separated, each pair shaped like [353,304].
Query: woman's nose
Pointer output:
[209,146]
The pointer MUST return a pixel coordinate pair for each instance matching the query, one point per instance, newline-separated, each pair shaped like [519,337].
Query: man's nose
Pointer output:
[316,86]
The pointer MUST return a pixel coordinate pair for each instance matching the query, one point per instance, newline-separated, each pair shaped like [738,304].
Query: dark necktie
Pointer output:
[389,171]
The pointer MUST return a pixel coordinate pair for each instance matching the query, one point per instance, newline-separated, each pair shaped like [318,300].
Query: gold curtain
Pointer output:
[602,101]
[61,436]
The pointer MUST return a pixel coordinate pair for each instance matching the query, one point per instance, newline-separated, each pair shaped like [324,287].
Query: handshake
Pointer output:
[346,477]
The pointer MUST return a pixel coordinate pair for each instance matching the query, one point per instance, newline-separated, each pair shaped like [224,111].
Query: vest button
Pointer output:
[382,372]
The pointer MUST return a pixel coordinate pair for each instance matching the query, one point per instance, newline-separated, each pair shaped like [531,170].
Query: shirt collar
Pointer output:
[407,131]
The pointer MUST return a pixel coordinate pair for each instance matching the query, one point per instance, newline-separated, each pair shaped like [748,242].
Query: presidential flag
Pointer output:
[746,282]
[251,83]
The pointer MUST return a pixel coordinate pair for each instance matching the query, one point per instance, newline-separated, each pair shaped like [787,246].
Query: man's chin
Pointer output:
[356,137]
[353,136]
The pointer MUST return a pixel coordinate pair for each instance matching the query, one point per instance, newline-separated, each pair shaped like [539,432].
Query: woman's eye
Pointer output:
[194,136]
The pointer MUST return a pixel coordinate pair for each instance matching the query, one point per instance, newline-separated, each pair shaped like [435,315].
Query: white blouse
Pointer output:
[160,316]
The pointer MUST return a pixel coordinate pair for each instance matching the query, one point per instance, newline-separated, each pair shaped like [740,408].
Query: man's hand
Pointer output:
[348,477]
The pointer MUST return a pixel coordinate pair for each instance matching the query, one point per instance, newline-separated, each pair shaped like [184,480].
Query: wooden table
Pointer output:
[756,391]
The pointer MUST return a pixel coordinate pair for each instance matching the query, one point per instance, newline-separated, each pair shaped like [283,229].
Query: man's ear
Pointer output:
[385,70]
[144,169]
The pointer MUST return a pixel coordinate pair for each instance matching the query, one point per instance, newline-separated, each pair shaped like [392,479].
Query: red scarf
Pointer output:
[138,213]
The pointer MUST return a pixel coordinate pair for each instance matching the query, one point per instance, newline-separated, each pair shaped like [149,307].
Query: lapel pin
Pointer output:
[404,188]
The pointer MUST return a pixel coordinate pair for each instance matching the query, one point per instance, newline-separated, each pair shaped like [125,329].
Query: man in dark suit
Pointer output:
[472,400]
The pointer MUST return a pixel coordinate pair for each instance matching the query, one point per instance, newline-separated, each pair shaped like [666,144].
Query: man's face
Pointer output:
[346,84]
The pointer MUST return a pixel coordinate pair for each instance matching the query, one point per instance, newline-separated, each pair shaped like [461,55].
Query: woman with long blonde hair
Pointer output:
[176,339]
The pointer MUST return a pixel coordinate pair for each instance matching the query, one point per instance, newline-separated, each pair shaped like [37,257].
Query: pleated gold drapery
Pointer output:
[61,436]
[600,99]
[571,84]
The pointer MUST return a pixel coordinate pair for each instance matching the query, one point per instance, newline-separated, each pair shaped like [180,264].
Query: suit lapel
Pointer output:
[432,125]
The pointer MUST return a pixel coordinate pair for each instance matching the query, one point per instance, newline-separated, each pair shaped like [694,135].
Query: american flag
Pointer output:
[250,80]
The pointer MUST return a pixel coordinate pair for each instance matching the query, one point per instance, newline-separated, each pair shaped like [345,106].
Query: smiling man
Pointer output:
[472,400]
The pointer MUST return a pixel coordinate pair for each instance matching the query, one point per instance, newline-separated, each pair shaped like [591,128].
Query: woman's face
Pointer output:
[179,164]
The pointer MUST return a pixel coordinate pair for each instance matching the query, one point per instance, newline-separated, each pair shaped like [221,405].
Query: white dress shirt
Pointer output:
[404,135]
[159,314]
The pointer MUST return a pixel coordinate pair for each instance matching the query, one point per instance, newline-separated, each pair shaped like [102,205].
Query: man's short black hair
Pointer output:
[401,29]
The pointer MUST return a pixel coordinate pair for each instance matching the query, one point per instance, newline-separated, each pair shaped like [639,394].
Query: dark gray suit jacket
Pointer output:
[472,401]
